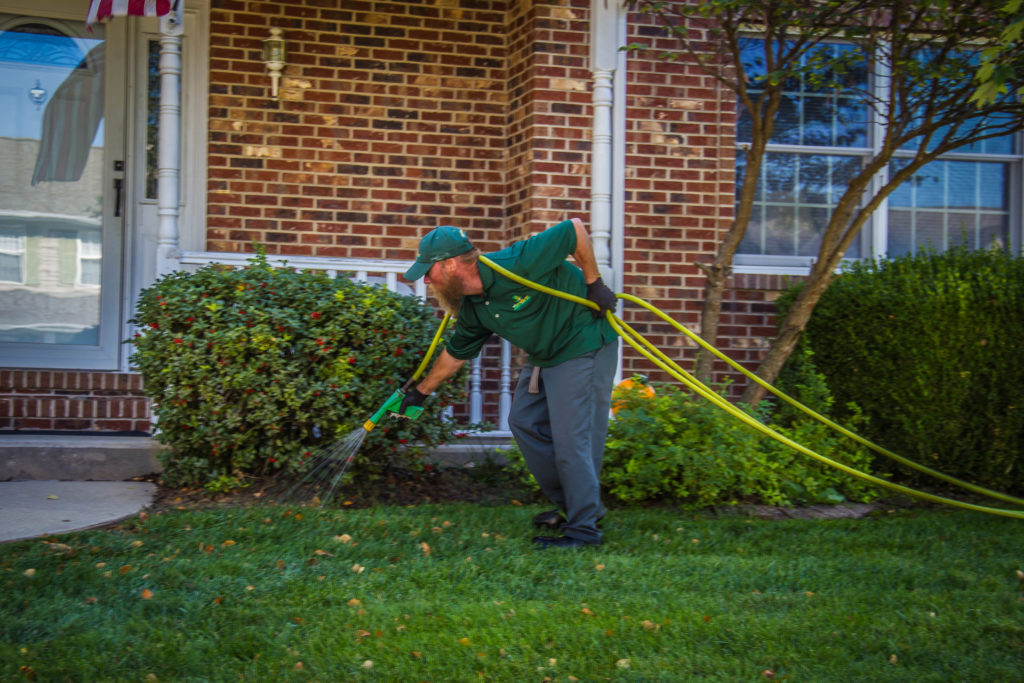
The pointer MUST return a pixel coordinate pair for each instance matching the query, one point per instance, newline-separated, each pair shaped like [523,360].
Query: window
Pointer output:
[821,139]
[90,251]
[12,255]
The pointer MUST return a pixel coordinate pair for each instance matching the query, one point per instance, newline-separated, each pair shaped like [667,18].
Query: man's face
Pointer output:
[446,284]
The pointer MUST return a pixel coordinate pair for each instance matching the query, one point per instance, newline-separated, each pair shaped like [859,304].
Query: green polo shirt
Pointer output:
[551,330]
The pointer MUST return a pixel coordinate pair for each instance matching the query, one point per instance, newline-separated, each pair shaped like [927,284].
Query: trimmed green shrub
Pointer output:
[252,370]
[929,348]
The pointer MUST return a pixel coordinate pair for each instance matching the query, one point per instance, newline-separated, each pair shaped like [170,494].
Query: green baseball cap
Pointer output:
[439,244]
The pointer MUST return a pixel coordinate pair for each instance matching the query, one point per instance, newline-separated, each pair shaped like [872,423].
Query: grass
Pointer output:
[457,593]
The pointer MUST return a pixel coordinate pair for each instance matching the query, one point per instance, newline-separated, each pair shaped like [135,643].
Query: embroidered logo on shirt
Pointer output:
[520,301]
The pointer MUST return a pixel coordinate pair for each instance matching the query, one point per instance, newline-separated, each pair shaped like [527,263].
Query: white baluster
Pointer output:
[505,395]
[476,396]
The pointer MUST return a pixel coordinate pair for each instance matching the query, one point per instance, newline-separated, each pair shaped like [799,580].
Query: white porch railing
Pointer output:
[383,272]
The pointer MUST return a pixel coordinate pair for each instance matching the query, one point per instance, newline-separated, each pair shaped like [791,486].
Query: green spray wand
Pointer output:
[393,404]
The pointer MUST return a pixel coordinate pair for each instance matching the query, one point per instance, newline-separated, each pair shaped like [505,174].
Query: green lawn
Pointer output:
[458,593]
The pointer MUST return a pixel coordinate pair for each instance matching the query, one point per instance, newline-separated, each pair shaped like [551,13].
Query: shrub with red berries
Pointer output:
[250,369]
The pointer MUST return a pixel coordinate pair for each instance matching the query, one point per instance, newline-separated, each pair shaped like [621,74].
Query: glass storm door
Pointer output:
[61,142]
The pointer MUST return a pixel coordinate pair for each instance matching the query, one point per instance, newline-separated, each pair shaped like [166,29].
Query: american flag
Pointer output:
[70,121]
[104,9]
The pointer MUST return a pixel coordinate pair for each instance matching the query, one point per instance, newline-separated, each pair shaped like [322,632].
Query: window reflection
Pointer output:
[949,203]
[795,197]
[51,189]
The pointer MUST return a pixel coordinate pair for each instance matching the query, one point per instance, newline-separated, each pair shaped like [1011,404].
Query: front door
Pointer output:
[61,186]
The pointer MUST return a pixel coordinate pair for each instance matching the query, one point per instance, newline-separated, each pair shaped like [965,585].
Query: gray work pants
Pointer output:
[561,432]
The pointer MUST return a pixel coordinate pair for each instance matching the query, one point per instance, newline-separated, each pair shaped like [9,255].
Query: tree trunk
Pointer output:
[711,314]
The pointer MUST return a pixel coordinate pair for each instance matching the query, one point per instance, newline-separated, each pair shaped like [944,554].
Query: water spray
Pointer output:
[329,466]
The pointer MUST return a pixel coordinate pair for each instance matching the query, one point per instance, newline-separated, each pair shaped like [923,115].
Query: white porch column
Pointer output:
[169,144]
[601,177]
[605,39]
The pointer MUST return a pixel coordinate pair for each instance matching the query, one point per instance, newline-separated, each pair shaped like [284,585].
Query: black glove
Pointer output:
[413,397]
[602,296]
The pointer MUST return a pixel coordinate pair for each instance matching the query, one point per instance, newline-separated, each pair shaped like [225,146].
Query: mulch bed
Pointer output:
[399,487]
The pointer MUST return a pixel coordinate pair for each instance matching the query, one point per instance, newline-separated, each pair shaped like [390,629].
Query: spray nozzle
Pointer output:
[394,406]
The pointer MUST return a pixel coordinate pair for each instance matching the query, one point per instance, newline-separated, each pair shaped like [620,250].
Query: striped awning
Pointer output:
[104,9]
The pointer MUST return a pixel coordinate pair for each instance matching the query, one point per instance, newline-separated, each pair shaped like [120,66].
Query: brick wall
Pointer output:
[390,121]
[72,401]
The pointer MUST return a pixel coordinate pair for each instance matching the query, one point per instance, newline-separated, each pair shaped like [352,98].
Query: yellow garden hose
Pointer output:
[662,361]
[821,418]
[430,351]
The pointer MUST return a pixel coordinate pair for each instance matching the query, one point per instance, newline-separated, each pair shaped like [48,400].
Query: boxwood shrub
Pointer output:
[255,370]
[929,347]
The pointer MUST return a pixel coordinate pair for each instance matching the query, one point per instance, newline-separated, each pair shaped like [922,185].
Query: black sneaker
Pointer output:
[552,519]
[562,542]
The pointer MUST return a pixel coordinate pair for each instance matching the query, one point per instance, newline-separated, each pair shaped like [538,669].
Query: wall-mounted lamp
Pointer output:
[37,94]
[273,57]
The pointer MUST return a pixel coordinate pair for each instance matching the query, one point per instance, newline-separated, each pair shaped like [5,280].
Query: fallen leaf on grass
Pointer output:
[586,610]
[362,633]
[354,602]
[425,547]
[465,641]
[58,547]
[358,568]
[650,625]
[343,538]
[29,573]
[125,568]
[416,654]
[135,544]
[368,664]
[623,664]
[146,594]
[322,552]
[228,542]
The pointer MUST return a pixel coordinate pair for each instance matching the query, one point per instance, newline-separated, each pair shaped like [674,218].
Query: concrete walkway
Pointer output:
[35,508]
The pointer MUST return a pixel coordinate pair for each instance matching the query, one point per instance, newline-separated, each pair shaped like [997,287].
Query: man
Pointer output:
[559,414]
